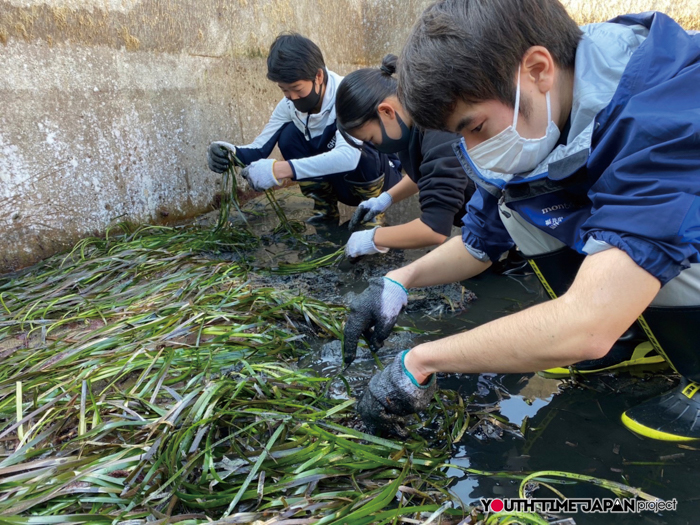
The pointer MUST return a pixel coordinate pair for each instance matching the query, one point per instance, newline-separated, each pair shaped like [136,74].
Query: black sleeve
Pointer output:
[444,188]
[412,157]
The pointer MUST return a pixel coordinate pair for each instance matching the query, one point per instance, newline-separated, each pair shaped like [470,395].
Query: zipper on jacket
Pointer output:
[307,133]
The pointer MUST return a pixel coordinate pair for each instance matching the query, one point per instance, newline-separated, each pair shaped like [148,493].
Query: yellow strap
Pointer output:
[642,322]
[654,341]
[272,169]
[540,276]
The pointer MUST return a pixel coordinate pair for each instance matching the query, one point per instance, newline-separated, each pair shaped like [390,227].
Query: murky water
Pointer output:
[573,428]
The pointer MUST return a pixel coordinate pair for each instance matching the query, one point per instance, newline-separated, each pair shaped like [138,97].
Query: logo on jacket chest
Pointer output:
[554,222]
[557,207]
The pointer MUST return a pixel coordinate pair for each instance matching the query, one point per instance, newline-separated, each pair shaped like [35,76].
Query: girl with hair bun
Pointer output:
[303,126]
[367,109]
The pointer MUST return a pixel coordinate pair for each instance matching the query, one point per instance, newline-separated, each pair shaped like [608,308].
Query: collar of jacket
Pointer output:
[328,98]
[601,59]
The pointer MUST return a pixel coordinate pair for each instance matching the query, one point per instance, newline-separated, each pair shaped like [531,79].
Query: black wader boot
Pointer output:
[674,416]
[556,271]
[367,190]
[325,200]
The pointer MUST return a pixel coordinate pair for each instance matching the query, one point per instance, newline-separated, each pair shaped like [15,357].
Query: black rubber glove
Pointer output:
[391,395]
[218,156]
[373,315]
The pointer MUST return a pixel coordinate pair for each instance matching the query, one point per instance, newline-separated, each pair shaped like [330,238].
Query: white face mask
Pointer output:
[510,153]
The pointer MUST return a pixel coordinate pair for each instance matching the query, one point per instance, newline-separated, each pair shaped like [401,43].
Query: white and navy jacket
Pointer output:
[337,156]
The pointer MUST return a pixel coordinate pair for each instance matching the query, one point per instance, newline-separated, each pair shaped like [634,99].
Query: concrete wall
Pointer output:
[107,106]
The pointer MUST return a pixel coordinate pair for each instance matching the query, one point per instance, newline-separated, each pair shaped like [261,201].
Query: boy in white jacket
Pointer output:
[303,125]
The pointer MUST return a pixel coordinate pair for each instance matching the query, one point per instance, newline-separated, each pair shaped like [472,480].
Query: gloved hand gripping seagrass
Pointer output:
[218,156]
[369,209]
[391,395]
[373,314]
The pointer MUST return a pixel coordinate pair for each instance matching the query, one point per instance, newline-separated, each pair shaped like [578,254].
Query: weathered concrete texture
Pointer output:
[108,105]
[386,25]
[90,135]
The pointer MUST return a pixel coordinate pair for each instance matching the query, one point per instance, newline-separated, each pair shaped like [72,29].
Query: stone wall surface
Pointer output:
[107,106]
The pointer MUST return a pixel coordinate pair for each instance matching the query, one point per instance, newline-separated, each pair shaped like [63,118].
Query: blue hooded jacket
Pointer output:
[633,181]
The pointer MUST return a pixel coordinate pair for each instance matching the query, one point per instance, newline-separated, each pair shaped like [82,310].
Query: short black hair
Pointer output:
[470,50]
[294,57]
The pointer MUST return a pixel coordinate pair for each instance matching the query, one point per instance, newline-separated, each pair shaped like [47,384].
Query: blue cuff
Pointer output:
[294,171]
[389,279]
[493,250]
[410,375]
[664,261]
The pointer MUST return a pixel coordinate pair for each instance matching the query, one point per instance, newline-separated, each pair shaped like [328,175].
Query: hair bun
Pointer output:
[388,66]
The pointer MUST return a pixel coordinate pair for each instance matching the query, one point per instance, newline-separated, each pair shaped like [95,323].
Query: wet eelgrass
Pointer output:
[144,378]
[292,230]
[229,197]
[147,377]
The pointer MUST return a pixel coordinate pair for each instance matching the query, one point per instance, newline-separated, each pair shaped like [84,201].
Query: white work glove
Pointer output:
[259,175]
[362,243]
[369,209]
[218,156]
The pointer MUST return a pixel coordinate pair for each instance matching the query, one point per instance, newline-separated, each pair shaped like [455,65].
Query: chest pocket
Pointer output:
[530,240]
[545,215]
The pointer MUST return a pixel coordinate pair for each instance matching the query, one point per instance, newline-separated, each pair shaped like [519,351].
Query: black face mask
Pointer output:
[390,145]
[309,102]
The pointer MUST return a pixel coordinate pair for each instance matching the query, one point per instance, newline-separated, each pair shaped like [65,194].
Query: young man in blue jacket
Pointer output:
[303,125]
[584,144]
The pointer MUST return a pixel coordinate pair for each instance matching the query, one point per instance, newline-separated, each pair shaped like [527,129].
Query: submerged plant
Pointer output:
[148,375]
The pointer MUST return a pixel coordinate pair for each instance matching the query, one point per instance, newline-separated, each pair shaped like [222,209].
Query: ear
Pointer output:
[319,77]
[538,67]
[386,109]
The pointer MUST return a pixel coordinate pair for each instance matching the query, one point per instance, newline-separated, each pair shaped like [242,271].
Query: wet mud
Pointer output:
[520,422]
